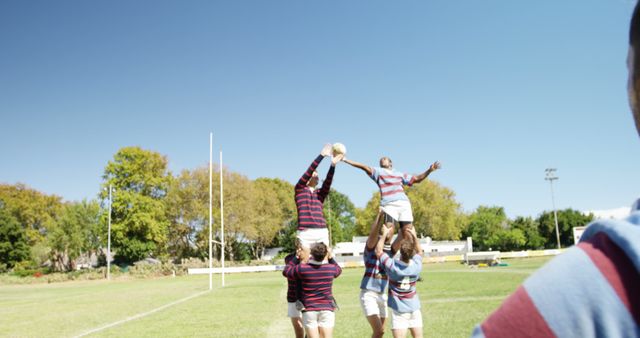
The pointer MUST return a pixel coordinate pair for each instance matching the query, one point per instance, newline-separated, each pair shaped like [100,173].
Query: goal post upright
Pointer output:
[210,210]
[222,218]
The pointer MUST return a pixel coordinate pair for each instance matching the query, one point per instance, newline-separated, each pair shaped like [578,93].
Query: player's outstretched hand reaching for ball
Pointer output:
[326,150]
[435,166]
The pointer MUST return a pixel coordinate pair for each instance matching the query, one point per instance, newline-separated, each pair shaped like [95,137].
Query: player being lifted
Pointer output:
[312,227]
[394,202]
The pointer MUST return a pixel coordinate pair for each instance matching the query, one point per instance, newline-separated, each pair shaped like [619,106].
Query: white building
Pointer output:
[431,248]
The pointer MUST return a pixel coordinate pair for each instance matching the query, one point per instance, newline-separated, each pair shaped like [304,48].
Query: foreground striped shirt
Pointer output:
[309,202]
[391,184]
[375,276]
[402,282]
[591,290]
[316,280]
[292,291]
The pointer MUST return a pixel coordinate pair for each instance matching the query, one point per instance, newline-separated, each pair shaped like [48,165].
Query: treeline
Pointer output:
[156,213]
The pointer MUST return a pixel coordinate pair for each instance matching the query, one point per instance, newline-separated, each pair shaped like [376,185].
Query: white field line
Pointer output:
[464,299]
[281,326]
[140,315]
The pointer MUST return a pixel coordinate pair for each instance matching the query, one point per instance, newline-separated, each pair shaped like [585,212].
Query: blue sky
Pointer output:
[496,90]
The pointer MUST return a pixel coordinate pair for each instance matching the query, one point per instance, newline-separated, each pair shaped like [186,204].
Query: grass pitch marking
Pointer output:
[281,325]
[141,315]
[465,299]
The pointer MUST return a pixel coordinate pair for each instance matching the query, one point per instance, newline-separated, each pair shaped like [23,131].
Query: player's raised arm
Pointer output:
[416,240]
[380,244]
[433,167]
[326,185]
[358,165]
[374,232]
[302,182]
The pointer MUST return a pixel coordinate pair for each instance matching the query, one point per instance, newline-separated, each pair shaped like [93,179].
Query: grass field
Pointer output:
[454,299]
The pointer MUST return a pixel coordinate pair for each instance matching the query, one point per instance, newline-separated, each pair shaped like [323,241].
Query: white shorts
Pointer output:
[313,319]
[308,237]
[400,321]
[399,210]
[292,311]
[373,303]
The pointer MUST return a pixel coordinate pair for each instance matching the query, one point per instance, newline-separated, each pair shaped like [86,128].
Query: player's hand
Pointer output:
[435,166]
[412,231]
[326,150]
[385,230]
[337,159]
[329,253]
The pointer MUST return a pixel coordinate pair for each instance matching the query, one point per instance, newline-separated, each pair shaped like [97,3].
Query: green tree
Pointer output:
[187,208]
[485,227]
[436,213]
[76,233]
[365,216]
[13,240]
[567,220]
[339,213]
[275,213]
[508,240]
[529,228]
[35,212]
[238,213]
[139,222]
[268,217]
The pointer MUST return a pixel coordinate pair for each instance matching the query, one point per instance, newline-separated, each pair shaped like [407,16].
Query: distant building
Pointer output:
[355,248]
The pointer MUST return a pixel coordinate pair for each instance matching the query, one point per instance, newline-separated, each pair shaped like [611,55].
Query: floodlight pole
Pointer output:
[109,236]
[550,176]
[222,218]
[210,209]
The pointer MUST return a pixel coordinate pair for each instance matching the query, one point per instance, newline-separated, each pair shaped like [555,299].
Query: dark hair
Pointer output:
[407,250]
[634,29]
[634,71]
[319,252]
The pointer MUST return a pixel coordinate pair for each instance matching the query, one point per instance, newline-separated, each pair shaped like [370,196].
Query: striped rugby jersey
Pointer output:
[309,202]
[375,277]
[402,282]
[391,184]
[292,291]
[591,290]
[316,280]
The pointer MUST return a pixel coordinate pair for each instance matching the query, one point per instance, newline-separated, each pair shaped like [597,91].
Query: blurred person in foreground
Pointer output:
[593,289]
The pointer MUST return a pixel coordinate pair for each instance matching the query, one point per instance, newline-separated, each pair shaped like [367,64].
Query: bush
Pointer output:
[144,269]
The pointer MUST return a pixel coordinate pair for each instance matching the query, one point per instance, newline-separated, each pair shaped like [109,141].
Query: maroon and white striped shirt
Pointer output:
[316,280]
[310,202]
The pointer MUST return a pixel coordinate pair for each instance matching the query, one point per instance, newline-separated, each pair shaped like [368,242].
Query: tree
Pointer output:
[567,220]
[268,217]
[508,240]
[485,227]
[13,240]
[238,212]
[187,208]
[139,223]
[364,217]
[529,228]
[35,212]
[436,213]
[339,214]
[275,213]
[77,232]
